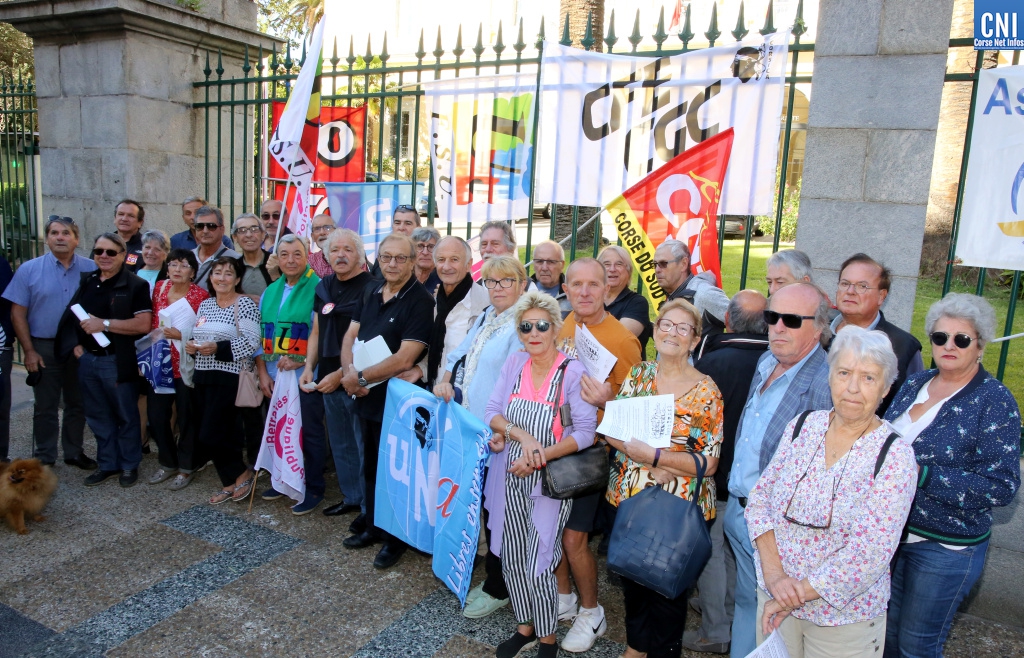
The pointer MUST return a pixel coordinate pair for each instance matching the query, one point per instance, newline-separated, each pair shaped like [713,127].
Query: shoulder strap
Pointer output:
[800,424]
[238,330]
[883,452]
[558,387]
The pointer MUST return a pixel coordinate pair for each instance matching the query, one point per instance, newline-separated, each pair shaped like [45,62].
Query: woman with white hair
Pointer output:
[627,306]
[826,516]
[965,429]
[526,526]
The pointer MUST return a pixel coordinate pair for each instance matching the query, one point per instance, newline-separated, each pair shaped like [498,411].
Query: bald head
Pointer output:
[746,313]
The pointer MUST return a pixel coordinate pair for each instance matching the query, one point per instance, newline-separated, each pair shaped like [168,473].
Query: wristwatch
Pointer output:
[362,380]
[106,324]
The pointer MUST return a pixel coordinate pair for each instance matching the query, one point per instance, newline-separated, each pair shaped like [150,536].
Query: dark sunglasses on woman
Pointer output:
[526,326]
[939,338]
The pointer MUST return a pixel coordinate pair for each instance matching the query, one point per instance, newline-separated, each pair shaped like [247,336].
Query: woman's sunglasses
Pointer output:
[105,252]
[526,326]
[939,338]
[791,320]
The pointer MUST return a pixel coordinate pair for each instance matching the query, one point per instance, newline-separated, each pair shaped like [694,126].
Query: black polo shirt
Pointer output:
[632,305]
[334,304]
[409,315]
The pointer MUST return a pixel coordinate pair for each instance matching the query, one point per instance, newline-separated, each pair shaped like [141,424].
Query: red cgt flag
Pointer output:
[679,200]
[336,146]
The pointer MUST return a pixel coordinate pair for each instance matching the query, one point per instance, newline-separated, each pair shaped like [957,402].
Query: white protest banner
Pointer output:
[481,140]
[992,218]
[607,121]
[281,452]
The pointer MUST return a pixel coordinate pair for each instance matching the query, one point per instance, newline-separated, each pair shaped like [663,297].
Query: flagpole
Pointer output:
[285,209]
[581,226]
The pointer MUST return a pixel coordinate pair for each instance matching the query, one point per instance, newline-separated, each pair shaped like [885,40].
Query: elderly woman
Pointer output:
[261,267]
[523,411]
[155,246]
[176,456]
[965,429]
[654,623]
[223,342]
[472,371]
[627,306]
[825,517]
[426,239]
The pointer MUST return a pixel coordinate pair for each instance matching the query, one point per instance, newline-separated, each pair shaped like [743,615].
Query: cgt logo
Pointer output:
[998,25]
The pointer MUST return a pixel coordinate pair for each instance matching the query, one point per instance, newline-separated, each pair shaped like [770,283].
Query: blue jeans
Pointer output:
[346,435]
[929,582]
[314,441]
[744,619]
[112,411]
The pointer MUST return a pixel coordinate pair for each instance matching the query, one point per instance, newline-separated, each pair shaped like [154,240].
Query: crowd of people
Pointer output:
[848,492]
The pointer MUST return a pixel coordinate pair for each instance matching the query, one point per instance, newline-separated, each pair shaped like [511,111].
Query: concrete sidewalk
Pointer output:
[146,571]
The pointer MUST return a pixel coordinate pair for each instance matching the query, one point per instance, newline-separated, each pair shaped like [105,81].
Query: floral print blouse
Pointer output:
[846,563]
[697,428]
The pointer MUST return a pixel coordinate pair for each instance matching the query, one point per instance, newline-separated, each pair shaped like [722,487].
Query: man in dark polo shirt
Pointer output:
[336,299]
[401,311]
[129,215]
[119,307]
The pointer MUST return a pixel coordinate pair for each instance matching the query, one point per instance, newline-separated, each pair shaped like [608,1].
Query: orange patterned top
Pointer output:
[698,428]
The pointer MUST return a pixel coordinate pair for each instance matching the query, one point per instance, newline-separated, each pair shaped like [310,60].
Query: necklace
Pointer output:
[835,453]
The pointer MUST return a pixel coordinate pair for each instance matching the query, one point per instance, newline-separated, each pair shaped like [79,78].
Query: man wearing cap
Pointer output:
[39,293]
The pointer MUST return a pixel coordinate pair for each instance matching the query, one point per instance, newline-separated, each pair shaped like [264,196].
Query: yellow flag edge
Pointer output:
[640,247]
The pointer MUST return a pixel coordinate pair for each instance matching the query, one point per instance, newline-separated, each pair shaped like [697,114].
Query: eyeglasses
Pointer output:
[404,208]
[491,284]
[526,326]
[791,320]
[939,338]
[425,247]
[202,226]
[387,258]
[106,252]
[815,524]
[662,264]
[681,329]
[545,262]
[860,287]
[267,215]
[247,230]
[318,229]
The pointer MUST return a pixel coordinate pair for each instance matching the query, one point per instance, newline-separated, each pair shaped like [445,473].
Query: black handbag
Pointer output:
[660,540]
[579,474]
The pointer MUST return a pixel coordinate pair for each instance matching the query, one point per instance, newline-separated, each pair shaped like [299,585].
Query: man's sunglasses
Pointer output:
[267,215]
[202,226]
[63,220]
[526,326]
[106,252]
[404,208]
[939,338]
[791,320]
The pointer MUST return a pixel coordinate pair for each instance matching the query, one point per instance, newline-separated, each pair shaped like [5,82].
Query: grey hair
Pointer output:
[398,237]
[969,308]
[505,228]
[558,248]
[340,233]
[248,215]
[63,221]
[203,211]
[290,238]
[465,245]
[798,262]
[743,322]
[679,251]
[193,199]
[621,252]
[113,237]
[155,235]
[424,233]
[873,346]
[542,301]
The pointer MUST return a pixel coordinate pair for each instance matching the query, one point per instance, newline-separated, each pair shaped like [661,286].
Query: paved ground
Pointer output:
[146,571]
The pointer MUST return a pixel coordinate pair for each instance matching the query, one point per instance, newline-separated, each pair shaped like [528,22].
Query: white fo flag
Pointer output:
[303,107]
[607,121]
[281,451]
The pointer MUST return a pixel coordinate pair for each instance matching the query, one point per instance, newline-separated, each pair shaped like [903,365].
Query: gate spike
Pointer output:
[302,60]
[259,63]
[799,26]
[438,50]
[588,39]
[369,52]
[741,25]
[207,70]
[686,36]
[609,37]
[519,45]
[458,50]
[540,34]
[420,52]
[499,45]
[636,37]
[351,59]
[659,34]
[566,39]
[384,56]
[769,20]
[713,32]
[288,58]
[478,49]
[246,67]
[334,53]
[220,64]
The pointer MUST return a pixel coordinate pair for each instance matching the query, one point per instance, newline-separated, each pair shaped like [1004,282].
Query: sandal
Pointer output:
[222,496]
[243,490]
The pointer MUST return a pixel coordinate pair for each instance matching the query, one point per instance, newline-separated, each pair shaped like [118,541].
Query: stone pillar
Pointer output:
[114,87]
[875,96]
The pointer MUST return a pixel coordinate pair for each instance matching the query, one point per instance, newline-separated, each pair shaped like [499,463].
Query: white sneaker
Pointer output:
[589,626]
[568,605]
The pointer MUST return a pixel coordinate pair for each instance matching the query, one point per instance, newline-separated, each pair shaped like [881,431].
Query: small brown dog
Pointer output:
[25,487]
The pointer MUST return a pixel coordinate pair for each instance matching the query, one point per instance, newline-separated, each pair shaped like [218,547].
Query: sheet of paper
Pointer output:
[772,647]
[648,419]
[369,354]
[180,316]
[597,360]
[100,337]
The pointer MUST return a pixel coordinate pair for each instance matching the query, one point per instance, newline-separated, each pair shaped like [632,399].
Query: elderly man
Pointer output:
[261,267]
[399,311]
[672,269]
[426,238]
[585,285]
[731,365]
[497,238]
[404,220]
[548,263]
[863,286]
[187,238]
[319,229]
[273,212]
[209,227]
[39,293]
[336,299]
[787,266]
[791,378]
[120,309]
[129,216]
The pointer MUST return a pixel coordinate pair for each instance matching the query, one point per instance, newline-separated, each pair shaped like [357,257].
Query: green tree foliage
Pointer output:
[15,52]
[290,19]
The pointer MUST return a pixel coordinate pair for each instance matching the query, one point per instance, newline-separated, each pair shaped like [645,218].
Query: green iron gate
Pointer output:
[20,195]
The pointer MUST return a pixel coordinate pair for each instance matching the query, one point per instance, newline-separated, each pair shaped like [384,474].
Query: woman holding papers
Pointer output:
[654,623]
[524,409]
[176,459]
[224,340]
[826,516]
